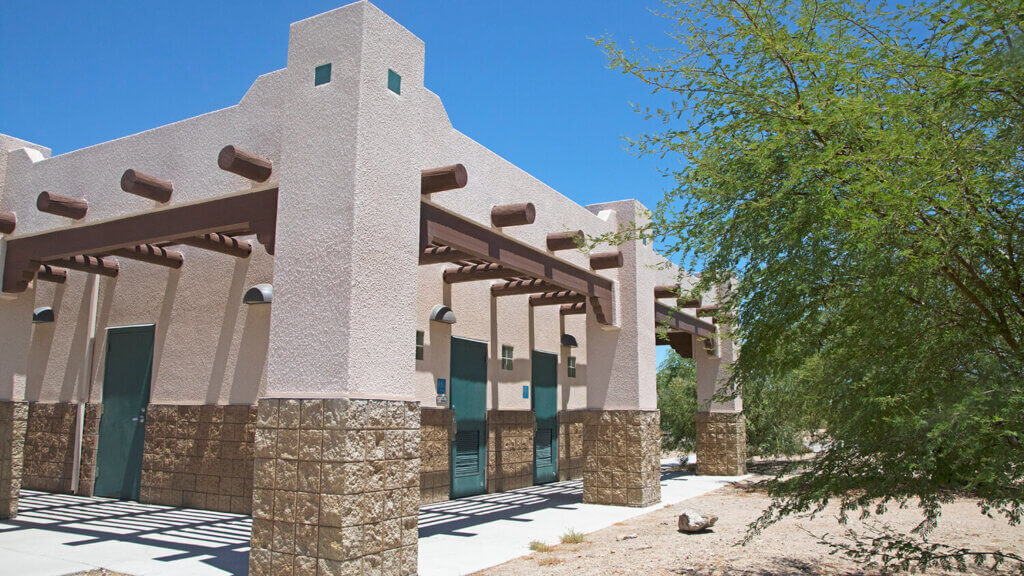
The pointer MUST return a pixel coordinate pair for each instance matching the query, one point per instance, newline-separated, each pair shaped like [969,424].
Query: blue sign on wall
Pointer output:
[441,386]
[526,391]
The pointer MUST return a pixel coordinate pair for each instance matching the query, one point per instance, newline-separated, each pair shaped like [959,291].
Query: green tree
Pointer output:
[677,401]
[858,169]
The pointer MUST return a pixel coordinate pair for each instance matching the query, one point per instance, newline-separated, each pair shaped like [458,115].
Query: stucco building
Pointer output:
[325,306]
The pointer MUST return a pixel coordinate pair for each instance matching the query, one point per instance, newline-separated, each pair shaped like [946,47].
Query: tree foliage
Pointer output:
[677,401]
[858,168]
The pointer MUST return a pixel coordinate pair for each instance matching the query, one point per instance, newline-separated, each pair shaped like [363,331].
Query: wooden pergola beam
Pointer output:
[441,227]
[66,206]
[439,254]
[560,297]
[443,178]
[707,310]
[565,240]
[681,342]
[513,214]
[666,291]
[151,187]
[245,164]
[222,243]
[103,266]
[675,320]
[474,272]
[153,255]
[53,274]
[246,213]
[573,309]
[8,222]
[514,287]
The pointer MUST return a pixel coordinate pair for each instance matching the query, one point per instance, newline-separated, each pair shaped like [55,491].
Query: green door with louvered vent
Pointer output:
[545,408]
[469,402]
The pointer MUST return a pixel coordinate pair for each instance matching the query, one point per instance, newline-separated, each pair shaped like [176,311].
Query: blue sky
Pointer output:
[522,78]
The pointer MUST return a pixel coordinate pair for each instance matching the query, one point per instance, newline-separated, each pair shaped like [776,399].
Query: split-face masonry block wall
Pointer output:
[622,461]
[50,447]
[199,457]
[721,443]
[570,444]
[509,449]
[336,487]
[435,454]
[13,423]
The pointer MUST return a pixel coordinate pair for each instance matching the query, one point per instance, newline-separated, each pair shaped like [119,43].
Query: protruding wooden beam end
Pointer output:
[605,260]
[444,178]
[140,184]
[74,208]
[8,222]
[245,164]
[565,240]
[513,214]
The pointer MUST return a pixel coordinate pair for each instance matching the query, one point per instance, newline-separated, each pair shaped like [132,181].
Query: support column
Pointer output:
[621,435]
[721,427]
[13,422]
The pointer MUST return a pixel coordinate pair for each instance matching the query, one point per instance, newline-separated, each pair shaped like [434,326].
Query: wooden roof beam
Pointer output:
[572,309]
[675,320]
[565,240]
[443,178]
[53,274]
[245,164]
[513,214]
[222,243]
[439,254]
[605,260]
[474,272]
[8,222]
[514,287]
[103,266]
[554,298]
[151,187]
[66,206]
[152,255]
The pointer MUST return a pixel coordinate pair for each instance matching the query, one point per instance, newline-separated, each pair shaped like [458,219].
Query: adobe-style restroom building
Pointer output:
[325,306]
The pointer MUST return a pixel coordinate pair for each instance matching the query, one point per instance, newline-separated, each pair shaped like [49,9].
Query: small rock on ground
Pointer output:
[691,521]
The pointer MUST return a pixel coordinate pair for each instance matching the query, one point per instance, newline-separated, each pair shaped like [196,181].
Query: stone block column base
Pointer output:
[435,454]
[335,487]
[13,423]
[509,449]
[622,457]
[721,444]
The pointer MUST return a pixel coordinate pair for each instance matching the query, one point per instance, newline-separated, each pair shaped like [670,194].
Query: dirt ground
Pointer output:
[789,548]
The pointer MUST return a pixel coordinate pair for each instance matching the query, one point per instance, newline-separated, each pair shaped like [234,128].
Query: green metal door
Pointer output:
[469,402]
[125,396]
[545,409]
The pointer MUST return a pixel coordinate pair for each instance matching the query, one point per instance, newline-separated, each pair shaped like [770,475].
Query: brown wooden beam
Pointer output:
[676,320]
[666,291]
[565,240]
[560,297]
[514,287]
[707,310]
[8,222]
[152,255]
[220,243]
[245,164]
[444,178]
[571,309]
[439,254]
[65,206]
[513,214]
[91,264]
[439,226]
[248,213]
[54,274]
[605,260]
[140,184]
[476,272]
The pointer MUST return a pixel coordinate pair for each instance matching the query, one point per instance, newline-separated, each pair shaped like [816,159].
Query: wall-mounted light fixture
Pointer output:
[442,313]
[259,294]
[42,315]
[569,341]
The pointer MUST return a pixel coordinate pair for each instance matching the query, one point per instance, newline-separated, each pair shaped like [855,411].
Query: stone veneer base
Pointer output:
[199,457]
[13,423]
[435,454]
[622,457]
[335,487]
[721,443]
[509,449]
[50,447]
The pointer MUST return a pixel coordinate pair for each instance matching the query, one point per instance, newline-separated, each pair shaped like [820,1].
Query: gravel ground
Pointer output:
[788,548]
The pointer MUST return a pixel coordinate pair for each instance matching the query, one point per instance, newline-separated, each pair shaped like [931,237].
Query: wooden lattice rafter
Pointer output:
[495,255]
[679,323]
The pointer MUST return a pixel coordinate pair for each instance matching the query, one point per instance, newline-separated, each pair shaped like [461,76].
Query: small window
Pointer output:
[394,82]
[419,345]
[571,366]
[322,74]
[506,357]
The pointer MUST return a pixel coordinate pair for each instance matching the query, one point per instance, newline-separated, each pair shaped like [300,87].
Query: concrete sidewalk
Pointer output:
[57,534]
